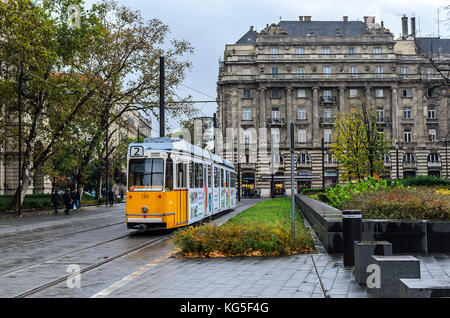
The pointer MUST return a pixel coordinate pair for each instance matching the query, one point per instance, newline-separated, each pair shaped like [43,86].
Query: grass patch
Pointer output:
[262,230]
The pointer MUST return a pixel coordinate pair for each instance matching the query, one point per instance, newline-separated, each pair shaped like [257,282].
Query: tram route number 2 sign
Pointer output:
[137,151]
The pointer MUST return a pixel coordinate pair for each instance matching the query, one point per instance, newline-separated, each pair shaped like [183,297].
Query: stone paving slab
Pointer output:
[253,277]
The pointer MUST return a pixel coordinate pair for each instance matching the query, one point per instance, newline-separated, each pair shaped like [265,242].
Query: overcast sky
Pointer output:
[211,24]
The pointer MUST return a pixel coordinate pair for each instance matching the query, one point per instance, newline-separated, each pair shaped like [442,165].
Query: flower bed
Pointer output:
[427,199]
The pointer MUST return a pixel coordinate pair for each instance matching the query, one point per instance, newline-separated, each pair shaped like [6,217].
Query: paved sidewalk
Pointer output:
[260,277]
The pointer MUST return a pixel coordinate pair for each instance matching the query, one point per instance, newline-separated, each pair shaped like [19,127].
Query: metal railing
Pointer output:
[275,121]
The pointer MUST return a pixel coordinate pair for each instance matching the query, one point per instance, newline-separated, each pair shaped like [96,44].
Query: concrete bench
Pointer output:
[424,288]
[364,250]
[392,269]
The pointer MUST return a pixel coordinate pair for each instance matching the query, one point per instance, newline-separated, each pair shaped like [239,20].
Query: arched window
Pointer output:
[304,159]
[409,158]
[434,157]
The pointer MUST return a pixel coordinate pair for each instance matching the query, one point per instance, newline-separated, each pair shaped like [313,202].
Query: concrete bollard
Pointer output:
[351,224]
[364,250]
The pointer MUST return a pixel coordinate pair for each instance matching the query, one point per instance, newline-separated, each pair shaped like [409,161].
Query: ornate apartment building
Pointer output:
[308,72]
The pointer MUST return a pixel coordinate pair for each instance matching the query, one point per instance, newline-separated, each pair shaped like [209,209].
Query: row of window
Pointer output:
[328,113]
[201,174]
[352,93]
[407,158]
[327,70]
[301,51]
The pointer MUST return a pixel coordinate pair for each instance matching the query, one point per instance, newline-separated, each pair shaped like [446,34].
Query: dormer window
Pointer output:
[273,51]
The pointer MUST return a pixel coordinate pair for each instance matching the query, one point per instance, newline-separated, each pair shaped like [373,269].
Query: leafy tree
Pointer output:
[359,147]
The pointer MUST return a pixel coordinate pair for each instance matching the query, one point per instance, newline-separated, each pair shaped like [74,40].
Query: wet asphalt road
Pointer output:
[51,247]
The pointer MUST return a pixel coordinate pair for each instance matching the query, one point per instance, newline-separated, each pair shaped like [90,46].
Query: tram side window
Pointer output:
[191,175]
[209,176]
[233,180]
[181,175]
[228,178]
[198,172]
[216,177]
[222,178]
[169,174]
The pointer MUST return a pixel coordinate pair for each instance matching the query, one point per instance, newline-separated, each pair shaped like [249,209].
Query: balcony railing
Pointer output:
[328,100]
[275,121]
[327,121]
[434,164]
[330,56]
[409,164]
[385,121]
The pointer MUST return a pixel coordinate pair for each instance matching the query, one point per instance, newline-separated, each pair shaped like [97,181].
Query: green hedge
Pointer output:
[425,181]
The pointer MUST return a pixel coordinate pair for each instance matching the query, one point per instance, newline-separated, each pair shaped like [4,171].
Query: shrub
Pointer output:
[421,203]
[245,239]
[424,181]
[262,230]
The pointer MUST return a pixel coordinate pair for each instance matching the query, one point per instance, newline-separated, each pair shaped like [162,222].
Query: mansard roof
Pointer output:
[324,28]
[432,45]
[320,28]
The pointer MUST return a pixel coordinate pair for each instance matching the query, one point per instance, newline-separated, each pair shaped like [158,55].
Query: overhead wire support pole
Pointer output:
[161,97]
[292,184]
[20,138]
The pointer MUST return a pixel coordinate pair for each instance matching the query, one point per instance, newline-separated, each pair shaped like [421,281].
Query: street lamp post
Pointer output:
[323,162]
[396,146]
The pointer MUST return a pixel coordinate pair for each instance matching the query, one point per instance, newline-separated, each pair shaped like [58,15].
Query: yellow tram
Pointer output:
[172,183]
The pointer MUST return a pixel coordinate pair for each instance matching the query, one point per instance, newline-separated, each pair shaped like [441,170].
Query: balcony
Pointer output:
[327,121]
[434,164]
[383,121]
[331,163]
[275,122]
[409,164]
[304,164]
[432,121]
[328,100]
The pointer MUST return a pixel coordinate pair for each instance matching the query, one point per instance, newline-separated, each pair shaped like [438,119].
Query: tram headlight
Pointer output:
[144,209]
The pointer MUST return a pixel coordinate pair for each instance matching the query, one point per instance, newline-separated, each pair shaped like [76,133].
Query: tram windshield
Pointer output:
[146,174]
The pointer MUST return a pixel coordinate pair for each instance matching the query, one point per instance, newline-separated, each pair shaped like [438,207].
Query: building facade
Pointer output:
[307,72]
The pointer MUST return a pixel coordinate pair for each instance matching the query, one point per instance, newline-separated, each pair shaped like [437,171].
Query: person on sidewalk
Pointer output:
[111,197]
[55,201]
[76,199]
[67,199]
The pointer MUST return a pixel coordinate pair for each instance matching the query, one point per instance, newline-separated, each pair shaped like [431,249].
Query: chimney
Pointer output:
[404,26]
[307,18]
[300,18]
[365,20]
[345,18]
[413,26]
[251,28]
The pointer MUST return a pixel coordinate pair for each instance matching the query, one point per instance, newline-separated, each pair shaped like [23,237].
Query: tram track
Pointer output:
[58,236]
[59,280]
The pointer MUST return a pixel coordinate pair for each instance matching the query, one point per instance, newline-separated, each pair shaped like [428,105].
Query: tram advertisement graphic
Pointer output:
[196,198]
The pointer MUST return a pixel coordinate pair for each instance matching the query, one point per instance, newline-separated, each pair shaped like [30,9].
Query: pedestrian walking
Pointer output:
[111,197]
[55,201]
[76,199]
[121,195]
[67,199]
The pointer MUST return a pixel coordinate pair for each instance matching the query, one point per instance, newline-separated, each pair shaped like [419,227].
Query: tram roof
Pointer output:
[181,145]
